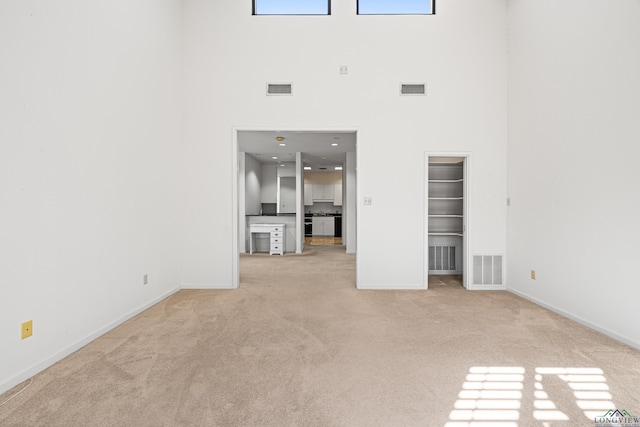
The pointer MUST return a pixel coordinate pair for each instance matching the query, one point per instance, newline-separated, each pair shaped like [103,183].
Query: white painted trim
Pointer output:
[393,287]
[235,254]
[49,361]
[300,203]
[235,233]
[466,238]
[356,207]
[208,286]
[488,288]
[578,319]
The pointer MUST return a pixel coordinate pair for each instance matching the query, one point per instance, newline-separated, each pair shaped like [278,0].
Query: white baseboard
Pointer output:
[28,373]
[487,288]
[584,322]
[207,286]
[383,287]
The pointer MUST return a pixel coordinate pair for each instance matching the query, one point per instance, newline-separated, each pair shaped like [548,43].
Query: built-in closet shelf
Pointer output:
[445,217]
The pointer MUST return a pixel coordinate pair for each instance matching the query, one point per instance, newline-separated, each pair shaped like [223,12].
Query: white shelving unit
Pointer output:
[445,216]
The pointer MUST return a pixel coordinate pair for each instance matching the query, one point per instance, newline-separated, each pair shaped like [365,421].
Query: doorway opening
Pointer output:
[303,182]
[446,219]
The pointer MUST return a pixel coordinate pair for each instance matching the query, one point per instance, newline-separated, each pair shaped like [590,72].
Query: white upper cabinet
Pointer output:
[337,194]
[323,192]
[308,194]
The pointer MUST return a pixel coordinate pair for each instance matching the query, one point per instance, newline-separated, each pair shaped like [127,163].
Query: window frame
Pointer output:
[433,11]
[255,13]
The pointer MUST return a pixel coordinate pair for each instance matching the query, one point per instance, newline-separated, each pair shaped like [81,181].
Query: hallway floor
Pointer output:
[322,240]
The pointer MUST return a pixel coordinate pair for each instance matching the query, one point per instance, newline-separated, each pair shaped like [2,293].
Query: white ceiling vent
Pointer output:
[413,89]
[279,89]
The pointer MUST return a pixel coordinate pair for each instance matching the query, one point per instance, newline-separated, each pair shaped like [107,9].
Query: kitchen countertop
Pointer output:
[293,215]
[281,214]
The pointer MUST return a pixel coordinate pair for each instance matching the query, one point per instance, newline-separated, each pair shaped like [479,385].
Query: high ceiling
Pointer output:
[315,146]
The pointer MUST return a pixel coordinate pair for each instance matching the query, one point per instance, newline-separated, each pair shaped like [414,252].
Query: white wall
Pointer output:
[90,167]
[461,55]
[253,174]
[269,183]
[574,134]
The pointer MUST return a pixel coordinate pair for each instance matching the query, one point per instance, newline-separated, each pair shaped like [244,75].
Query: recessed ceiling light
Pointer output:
[274,157]
[324,158]
[307,168]
[338,168]
[279,138]
[335,144]
[282,144]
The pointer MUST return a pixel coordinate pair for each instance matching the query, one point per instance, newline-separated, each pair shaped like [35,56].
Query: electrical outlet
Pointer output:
[344,69]
[533,274]
[27,329]
[145,279]
[367,201]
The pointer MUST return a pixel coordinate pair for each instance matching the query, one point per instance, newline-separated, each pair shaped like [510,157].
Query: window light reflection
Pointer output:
[491,395]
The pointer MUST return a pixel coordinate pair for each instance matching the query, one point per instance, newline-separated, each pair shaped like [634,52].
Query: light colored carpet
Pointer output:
[298,345]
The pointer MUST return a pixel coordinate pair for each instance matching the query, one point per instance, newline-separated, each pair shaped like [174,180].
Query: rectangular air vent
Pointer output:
[413,89]
[279,88]
[442,258]
[487,269]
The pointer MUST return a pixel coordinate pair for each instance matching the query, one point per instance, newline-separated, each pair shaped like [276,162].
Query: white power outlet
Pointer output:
[344,69]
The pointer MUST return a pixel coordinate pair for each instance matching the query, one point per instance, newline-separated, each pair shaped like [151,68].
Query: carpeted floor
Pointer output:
[298,345]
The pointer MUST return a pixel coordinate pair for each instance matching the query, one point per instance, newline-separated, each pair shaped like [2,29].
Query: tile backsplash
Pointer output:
[325,207]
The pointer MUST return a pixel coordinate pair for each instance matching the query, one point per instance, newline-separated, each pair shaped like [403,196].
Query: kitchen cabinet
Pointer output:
[323,226]
[337,194]
[323,192]
[308,194]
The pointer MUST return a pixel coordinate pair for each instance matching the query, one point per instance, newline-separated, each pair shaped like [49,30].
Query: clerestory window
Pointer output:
[292,7]
[396,7]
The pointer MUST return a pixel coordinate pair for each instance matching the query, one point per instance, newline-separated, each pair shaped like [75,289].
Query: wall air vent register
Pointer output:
[487,270]
[413,89]
[279,89]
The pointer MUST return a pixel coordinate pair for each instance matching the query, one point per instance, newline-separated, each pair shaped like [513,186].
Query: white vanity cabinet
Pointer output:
[276,237]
